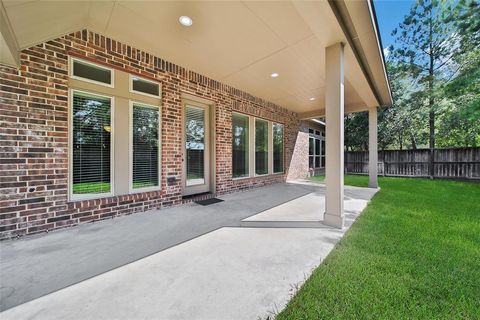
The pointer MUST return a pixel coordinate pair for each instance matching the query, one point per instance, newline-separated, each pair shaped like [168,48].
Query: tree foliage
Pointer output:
[434,72]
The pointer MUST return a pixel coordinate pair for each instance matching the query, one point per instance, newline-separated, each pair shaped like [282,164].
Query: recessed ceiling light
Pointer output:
[185,21]
[311,99]
[274,75]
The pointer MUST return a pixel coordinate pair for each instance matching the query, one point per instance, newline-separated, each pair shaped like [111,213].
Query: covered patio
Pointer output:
[93,88]
[222,261]
[326,61]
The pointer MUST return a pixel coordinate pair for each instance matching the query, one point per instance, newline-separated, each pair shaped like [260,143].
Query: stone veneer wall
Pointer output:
[34,133]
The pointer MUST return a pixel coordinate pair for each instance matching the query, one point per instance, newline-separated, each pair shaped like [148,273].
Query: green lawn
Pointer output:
[91,187]
[414,253]
[103,187]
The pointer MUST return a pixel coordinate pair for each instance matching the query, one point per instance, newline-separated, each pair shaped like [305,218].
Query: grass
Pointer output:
[414,253]
[91,187]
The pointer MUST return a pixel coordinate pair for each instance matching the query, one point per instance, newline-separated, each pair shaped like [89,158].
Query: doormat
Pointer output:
[208,202]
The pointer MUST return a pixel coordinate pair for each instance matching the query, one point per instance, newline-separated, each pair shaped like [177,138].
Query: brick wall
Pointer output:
[34,133]
[298,167]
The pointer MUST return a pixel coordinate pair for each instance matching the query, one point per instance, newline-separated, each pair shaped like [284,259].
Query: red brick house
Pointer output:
[109,108]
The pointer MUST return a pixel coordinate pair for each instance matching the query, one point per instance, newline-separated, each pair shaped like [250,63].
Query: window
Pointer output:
[323,153]
[277,133]
[143,86]
[317,153]
[91,72]
[311,152]
[145,122]
[261,147]
[316,149]
[240,147]
[91,142]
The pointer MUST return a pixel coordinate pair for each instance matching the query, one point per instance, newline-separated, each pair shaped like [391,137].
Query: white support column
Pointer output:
[372,148]
[334,113]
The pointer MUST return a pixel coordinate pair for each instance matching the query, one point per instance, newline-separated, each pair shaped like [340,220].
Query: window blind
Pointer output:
[261,146]
[277,131]
[91,143]
[145,146]
[240,145]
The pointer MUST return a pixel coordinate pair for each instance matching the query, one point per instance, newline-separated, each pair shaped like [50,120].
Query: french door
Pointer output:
[196,148]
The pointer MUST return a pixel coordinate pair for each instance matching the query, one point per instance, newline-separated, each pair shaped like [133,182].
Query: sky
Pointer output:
[390,14]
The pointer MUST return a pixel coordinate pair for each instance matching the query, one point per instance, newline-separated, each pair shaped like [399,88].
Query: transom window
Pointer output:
[91,72]
[144,86]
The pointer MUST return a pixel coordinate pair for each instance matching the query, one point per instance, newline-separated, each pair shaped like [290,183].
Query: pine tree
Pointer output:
[425,44]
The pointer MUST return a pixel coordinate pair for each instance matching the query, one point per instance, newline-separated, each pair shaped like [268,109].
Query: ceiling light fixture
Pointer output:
[274,75]
[185,21]
[311,99]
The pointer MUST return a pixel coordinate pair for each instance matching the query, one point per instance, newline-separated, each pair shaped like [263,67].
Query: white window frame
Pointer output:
[96,65]
[269,148]
[249,175]
[283,149]
[131,90]
[130,148]
[90,196]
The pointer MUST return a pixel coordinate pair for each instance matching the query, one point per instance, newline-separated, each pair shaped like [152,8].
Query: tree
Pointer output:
[461,124]
[425,45]
[434,72]
[356,131]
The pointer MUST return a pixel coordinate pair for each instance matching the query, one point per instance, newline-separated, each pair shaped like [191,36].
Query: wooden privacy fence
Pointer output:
[455,163]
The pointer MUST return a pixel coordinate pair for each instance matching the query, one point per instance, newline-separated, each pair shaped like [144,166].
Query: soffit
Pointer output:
[237,43]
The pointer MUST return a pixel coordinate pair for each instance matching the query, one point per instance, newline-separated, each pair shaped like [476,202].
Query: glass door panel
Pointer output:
[195,145]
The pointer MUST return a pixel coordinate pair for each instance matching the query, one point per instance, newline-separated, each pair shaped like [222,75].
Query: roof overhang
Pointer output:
[234,42]
[359,23]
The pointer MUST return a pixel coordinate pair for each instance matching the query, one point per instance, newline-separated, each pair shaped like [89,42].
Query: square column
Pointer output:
[372,149]
[334,113]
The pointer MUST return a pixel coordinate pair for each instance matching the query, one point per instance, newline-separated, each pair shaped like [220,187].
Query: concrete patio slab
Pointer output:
[229,273]
[37,265]
[311,207]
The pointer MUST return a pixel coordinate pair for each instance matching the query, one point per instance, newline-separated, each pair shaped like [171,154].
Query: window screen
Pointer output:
[92,72]
[277,147]
[144,86]
[145,142]
[91,142]
[240,145]
[261,146]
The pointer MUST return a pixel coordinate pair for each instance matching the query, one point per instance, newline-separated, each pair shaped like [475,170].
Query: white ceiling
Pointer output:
[238,43]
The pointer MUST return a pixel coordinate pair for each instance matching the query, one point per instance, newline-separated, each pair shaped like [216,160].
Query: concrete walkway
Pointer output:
[188,262]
